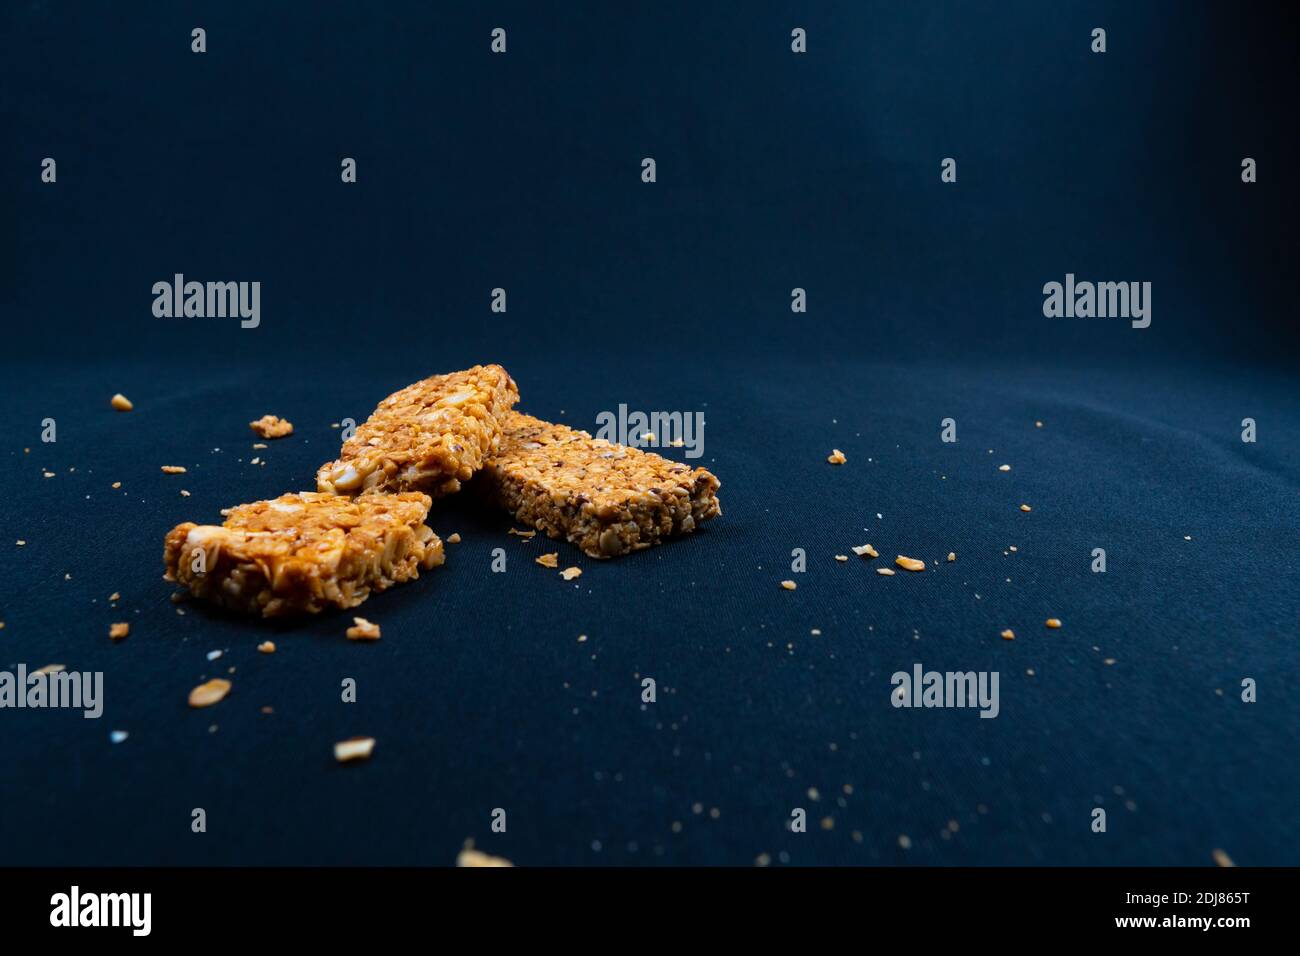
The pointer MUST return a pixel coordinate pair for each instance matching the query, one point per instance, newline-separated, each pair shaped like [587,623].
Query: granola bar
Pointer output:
[428,437]
[607,499]
[304,552]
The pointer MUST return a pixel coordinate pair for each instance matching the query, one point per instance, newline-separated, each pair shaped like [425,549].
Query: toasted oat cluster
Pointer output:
[304,552]
[607,499]
[428,437]
[271,426]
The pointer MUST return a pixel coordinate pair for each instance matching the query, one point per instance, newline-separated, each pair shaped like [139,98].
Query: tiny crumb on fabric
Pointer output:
[266,647]
[1053,622]
[1008,635]
[115,596]
[121,403]
[209,693]
[271,426]
[841,557]
[528,535]
[475,858]
[1221,858]
[909,564]
[119,630]
[952,556]
[116,484]
[453,538]
[836,457]
[173,469]
[551,560]
[865,551]
[1026,508]
[789,585]
[887,572]
[354,748]
[1004,467]
[363,630]
[570,573]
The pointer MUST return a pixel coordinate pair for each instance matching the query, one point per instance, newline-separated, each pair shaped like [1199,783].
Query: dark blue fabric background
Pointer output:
[774,171]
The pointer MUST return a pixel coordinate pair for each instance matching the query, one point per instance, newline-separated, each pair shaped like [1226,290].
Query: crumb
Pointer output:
[1221,858]
[551,560]
[20,542]
[570,573]
[354,748]
[1004,467]
[1053,622]
[257,445]
[205,695]
[363,630]
[865,551]
[117,484]
[1008,635]
[119,630]
[836,457]
[47,474]
[184,493]
[522,534]
[789,585]
[1109,662]
[1038,424]
[841,557]
[267,647]
[905,841]
[582,638]
[173,469]
[268,709]
[1025,508]
[453,538]
[255,460]
[121,403]
[887,572]
[271,426]
[952,555]
[472,857]
[909,564]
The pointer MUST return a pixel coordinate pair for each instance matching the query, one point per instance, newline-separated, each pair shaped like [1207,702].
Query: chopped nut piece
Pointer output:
[865,551]
[119,630]
[887,572]
[363,630]
[354,748]
[453,538]
[470,857]
[952,555]
[909,564]
[271,426]
[1008,635]
[173,469]
[1053,622]
[205,695]
[836,457]
[570,573]
[121,403]
[267,647]
[1025,508]
[551,560]
[789,585]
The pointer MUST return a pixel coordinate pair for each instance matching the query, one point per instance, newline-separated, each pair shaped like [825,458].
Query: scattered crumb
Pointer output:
[1026,508]
[816,632]
[214,655]
[255,460]
[865,551]
[522,534]
[1008,635]
[570,573]
[905,841]
[1187,537]
[887,572]
[453,538]
[20,542]
[789,585]
[1109,662]
[173,469]
[952,555]
[841,557]
[836,457]
[115,596]
[472,857]
[271,426]
[363,630]
[258,445]
[1053,622]
[121,403]
[184,493]
[47,474]
[267,647]
[582,638]
[117,484]
[1038,424]
[354,748]
[1221,858]
[551,560]
[119,630]
[762,859]
[205,695]
[1004,467]
[909,564]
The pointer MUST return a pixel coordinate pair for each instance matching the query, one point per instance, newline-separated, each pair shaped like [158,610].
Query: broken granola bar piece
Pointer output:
[607,499]
[428,437]
[271,426]
[304,552]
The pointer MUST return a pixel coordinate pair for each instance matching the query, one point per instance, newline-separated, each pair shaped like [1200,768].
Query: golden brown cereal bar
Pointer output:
[304,552]
[607,499]
[428,437]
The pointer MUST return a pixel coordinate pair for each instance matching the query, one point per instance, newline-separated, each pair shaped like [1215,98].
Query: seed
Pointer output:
[119,630]
[1008,635]
[570,573]
[888,572]
[789,585]
[1025,508]
[363,630]
[121,403]
[205,695]
[909,564]
[1053,622]
[836,457]
[551,560]
[354,748]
